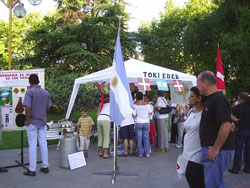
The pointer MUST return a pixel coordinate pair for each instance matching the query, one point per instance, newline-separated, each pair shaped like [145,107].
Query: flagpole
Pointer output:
[115,153]
[121,104]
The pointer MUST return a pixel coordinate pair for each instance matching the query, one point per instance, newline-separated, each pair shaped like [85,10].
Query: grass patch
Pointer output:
[12,139]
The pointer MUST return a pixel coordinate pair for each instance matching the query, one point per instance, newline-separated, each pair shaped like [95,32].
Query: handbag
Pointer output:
[165,110]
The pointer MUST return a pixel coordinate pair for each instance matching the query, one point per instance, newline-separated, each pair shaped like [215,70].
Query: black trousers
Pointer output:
[195,175]
[174,130]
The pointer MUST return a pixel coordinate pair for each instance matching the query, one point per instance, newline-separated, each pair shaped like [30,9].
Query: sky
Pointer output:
[139,10]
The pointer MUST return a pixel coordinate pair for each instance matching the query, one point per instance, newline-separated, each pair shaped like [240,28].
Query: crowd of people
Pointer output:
[208,130]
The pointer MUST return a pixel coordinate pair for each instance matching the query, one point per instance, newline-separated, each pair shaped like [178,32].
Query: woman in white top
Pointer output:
[103,128]
[192,149]
[142,114]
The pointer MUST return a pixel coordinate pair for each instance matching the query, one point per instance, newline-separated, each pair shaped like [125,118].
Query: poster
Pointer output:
[5,96]
[76,160]
[7,118]
[182,96]
[14,85]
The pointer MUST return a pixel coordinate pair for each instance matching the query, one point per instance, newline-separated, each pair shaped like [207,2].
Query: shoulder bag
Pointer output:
[165,110]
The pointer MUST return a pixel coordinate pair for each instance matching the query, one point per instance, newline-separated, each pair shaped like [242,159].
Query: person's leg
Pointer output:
[161,133]
[173,129]
[180,133]
[131,136]
[247,153]
[86,146]
[138,128]
[213,170]
[239,144]
[100,137]
[195,175]
[81,143]
[131,145]
[145,132]
[166,144]
[31,131]
[106,138]
[125,146]
[124,136]
[43,146]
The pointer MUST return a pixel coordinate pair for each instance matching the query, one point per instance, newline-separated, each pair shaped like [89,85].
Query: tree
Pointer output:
[81,47]
[187,39]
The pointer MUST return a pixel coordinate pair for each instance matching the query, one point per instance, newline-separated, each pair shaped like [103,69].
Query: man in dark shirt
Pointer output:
[36,102]
[217,141]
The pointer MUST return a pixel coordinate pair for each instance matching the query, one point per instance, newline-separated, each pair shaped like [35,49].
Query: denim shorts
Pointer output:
[127,132]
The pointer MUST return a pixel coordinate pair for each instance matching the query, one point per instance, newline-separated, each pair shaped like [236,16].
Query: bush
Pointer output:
[60,89]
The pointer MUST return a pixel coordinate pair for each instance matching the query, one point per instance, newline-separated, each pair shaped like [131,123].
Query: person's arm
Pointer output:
[92,123]
[90,130]
[224,131]
[27,113]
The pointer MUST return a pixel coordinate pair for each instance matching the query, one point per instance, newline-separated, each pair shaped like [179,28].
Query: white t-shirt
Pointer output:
[142,113]
[129,120]
[106,113]
[162,102]
[192,148]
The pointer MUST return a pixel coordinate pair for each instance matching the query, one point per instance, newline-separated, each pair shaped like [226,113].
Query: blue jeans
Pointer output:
[142,132]
[213,170]
[242,143]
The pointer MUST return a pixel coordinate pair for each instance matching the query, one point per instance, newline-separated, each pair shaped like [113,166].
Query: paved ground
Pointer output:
[157,171]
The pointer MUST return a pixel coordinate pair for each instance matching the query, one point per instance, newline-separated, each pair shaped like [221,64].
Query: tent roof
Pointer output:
[134,69]
[138,69]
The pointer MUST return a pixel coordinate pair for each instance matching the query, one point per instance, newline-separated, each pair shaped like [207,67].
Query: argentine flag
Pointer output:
[162,85]
[121,104]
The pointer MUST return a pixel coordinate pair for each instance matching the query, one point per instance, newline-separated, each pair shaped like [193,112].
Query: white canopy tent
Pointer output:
[135,69]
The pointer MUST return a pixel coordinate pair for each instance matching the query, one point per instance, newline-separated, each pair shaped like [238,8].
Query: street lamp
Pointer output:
[20,12]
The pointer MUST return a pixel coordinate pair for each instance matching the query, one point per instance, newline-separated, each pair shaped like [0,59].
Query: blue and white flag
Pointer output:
[121,103]
[162,84]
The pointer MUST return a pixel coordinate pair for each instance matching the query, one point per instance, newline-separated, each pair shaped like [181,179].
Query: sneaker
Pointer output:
[29,173]
[44,170]
[178,146]
[147,155]
[140,156]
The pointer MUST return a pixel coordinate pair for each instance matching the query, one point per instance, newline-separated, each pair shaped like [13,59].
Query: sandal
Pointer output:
[104,157]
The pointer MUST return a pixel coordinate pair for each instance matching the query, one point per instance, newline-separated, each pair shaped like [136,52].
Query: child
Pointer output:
[84,128]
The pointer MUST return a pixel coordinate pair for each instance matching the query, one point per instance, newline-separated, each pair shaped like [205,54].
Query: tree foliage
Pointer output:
[186,39]
[81,43]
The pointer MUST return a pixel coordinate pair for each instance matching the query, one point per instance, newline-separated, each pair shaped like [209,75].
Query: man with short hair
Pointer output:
[217,141]
[36,102]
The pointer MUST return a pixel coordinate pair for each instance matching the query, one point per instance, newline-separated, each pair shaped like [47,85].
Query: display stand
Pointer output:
[116,171]
[21,163]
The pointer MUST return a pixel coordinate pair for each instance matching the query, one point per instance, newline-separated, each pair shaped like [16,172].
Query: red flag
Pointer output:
[219,73]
